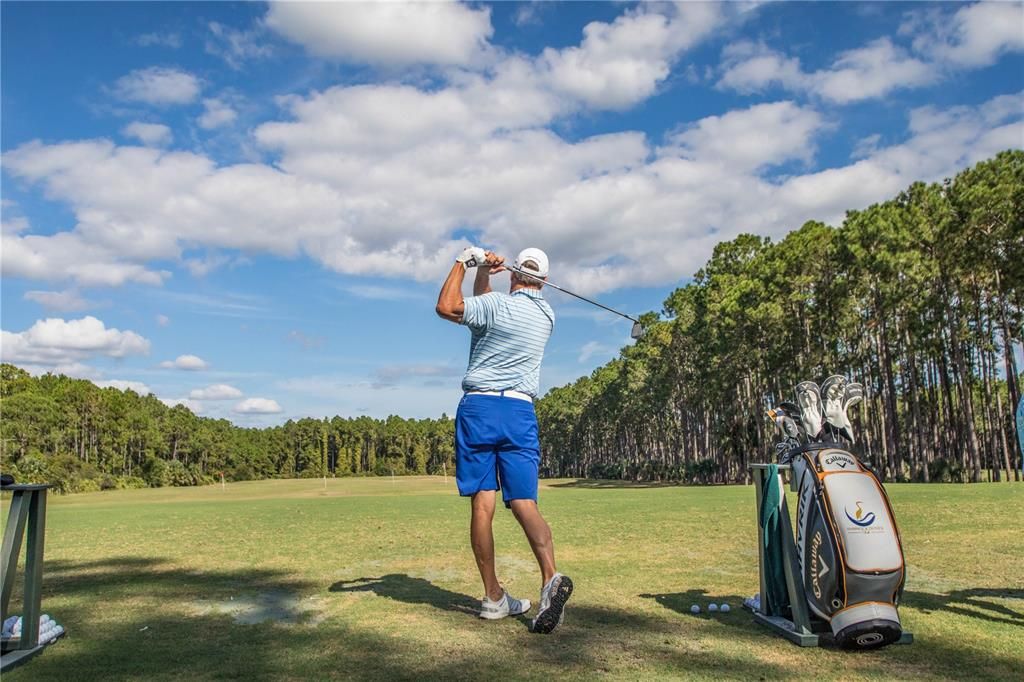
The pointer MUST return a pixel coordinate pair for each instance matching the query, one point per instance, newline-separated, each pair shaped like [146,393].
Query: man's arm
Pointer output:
[449,302]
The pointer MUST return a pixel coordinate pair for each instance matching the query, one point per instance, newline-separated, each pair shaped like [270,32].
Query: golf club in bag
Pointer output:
[851,556]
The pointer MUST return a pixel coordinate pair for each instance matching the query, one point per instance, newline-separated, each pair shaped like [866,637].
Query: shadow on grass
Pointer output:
[404,588]
[971,603]
[939,656]
[131,618]
[593,640]
[107,578]
[680,602]
[608,484]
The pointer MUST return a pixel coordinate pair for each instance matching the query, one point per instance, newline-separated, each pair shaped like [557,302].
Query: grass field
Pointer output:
[373,579]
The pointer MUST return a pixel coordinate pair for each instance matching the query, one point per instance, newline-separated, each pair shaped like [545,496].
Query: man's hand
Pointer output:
[471,257]
[496,262]
[492,265]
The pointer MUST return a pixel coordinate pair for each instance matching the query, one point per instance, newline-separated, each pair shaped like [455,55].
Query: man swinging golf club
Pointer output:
[496,444]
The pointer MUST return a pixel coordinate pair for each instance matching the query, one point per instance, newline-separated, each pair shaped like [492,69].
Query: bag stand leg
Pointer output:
[803,629]
[27,518]
[799,630]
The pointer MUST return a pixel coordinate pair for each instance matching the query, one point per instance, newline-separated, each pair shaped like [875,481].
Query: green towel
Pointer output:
[776,597]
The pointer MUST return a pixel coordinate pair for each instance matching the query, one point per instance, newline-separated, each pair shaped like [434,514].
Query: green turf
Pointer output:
[373,578]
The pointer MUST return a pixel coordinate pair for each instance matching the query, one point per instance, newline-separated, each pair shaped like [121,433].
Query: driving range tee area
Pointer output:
[370,579]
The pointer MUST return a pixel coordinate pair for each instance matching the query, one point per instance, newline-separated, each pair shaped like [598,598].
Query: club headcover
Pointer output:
[832,391]
[853,394]
[808,397]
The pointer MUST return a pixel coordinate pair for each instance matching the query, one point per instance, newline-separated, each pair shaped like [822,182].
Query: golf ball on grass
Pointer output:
[694,609]
[724,608]
[712,607]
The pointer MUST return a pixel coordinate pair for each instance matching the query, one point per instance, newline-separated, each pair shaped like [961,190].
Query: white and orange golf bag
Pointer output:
[851,557]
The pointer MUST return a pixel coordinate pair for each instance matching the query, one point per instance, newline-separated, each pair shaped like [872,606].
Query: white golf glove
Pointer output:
[471,257]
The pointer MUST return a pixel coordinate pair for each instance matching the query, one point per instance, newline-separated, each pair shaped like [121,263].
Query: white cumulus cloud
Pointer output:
[75,370]
[237,46]
[941,42]
[257,406]
[195,406]
[387,33]
[737,139]
[363,190]
[154,134]
[361,186]
[122,385]
[55,341]
[866,72]
[871,71]
[973,36]
[621,63]
[159,86]
[215,392]
[215,114]
[171,40]
[69,301]
[77,256]
[190,363]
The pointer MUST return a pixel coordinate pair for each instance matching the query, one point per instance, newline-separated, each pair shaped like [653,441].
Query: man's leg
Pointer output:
[518,468]
[482,538]
[538,533]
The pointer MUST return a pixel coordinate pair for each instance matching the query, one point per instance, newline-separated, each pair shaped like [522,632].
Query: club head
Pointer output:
[775,416]
[782,416]
[637,332]
[792,409]
[790,428]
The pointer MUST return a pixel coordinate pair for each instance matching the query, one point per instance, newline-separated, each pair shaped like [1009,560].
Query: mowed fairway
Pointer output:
[373,579]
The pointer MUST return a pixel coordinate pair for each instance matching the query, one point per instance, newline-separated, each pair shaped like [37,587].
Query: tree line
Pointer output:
[81,437]
[920,298]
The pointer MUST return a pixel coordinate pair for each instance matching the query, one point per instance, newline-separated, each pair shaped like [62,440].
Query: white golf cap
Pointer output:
[537,259]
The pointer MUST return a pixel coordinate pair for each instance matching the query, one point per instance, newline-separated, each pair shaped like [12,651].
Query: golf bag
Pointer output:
[851,559]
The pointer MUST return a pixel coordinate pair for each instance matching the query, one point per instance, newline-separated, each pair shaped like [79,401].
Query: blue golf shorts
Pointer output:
[496,447]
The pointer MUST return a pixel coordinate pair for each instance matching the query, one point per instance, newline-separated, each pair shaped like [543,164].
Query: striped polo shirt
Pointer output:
[507,346]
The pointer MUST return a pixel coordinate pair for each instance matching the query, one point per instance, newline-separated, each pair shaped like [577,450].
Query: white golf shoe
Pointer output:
[552,604]
[506,606]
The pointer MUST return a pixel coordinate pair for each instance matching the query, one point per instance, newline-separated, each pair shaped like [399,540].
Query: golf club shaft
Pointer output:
[566,291]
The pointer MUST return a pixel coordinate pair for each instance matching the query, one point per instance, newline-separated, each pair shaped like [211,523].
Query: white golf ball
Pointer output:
[712,607]
[694,609]
[724,608]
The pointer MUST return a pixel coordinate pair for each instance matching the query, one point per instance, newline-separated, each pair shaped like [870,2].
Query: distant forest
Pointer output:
[81,437]
[920,298]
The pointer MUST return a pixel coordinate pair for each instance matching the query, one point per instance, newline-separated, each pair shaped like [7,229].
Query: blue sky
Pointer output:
[250,207]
